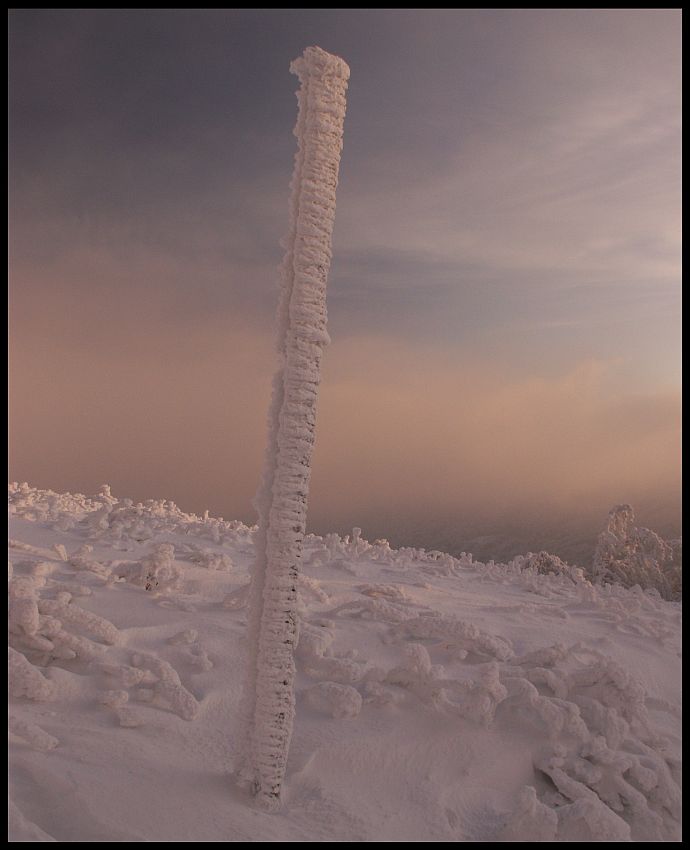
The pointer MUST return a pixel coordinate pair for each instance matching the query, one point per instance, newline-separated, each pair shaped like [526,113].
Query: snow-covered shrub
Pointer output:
[166,686]
[105,517]
[531,820]
[545,563]
[483,696]
[25,680]
[628,555]
[156,571]
[387,591]
[476,700]
[338,701]
[38,627]
[210,560]
[62,608]
[455,633]
[315,653]
[309,587]
[314,641]
[23,607]
[81,559]
[34,736]
[610,769]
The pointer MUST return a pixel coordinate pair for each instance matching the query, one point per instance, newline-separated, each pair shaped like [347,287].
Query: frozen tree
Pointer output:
[281,502]
[628,555]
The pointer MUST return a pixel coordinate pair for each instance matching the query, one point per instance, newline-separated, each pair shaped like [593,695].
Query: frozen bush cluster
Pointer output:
[628,555]
[546,564]
[48,629]
[155,681]
[103,516]
[62,509]
[342,551]
[63,610]
[474,699]
[613,777]
[625,555]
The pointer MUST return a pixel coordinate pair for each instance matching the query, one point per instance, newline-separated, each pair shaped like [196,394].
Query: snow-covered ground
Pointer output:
[438,699]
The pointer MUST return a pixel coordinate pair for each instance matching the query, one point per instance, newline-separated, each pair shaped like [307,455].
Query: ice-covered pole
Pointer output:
[268,701]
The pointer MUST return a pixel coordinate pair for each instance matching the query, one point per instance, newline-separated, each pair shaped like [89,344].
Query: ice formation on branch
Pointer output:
[281,501]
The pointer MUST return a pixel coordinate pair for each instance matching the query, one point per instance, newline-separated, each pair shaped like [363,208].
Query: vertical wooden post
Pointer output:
[268,702]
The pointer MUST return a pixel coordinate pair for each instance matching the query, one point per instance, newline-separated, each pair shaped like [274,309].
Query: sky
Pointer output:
[504,296]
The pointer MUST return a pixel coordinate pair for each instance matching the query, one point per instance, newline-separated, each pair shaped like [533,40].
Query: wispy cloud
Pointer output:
[508,216]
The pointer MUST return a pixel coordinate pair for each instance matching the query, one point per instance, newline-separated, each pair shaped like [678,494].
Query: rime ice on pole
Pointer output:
[268,703]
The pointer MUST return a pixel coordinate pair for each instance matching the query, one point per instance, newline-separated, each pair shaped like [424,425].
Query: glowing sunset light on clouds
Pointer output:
[504,299]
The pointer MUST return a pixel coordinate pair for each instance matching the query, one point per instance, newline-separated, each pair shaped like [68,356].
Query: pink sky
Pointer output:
[505,290]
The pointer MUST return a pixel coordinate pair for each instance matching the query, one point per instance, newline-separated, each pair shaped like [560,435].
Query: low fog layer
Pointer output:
[410,446]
